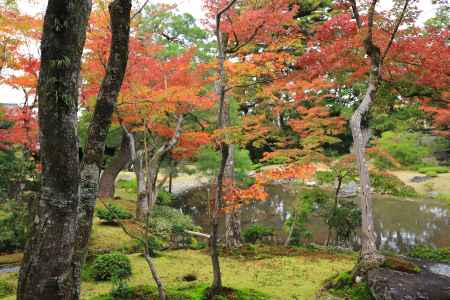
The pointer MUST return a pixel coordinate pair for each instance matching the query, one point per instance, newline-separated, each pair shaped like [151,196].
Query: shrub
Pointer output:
[111,213]
[128,185]
[431,254]
[435,170]
[12,226]
[386,183]
[325,177]
[405,147]
[121,290]
[256,232]
[5,289]
[111,265]
[345,220]
[164,198]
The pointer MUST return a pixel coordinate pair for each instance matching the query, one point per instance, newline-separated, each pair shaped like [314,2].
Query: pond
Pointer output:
[400,223]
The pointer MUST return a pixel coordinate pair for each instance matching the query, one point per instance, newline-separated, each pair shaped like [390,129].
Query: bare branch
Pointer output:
[396,27]
[140,9]
[356,13]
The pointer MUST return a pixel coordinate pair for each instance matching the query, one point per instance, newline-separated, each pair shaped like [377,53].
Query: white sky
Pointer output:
[194,7]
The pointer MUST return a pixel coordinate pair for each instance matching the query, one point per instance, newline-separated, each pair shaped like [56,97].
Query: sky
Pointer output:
[194,7]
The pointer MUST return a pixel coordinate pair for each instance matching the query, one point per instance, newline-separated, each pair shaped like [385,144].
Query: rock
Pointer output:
[418,179]
[350,189]
[388,284]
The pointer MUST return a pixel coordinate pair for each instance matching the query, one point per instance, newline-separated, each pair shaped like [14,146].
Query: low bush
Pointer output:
[386,183]
[128,185]
[435,170]
[12,226]
[111,265]
[164,198]
[256,232]
[431,254]
[112,212]
[343,286]
[325,177]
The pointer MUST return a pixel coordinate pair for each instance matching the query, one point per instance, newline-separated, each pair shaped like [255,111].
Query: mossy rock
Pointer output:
[400,264]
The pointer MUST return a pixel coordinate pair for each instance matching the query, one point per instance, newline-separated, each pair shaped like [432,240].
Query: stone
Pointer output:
[418,179]
[388,284]
[350,189]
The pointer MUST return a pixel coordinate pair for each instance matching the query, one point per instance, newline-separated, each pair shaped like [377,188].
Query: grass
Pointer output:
[279,277]
[440,183]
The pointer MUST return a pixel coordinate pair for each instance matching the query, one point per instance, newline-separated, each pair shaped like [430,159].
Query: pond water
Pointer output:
[400,223]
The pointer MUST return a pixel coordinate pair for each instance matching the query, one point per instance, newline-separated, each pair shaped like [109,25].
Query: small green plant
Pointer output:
[111,213]
[121,290]
[111,265]
[12,226]
[431,254]
[5,289]
[164,198]
[256,232]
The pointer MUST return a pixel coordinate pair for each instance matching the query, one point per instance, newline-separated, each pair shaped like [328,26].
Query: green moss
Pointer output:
[431,254]
[399,264]
[343,286]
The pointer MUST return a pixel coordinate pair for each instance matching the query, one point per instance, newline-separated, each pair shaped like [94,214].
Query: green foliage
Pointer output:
[168,224]
[175,31]
[256,232]
[111,213]
[405,147]
[191,292]
[325,177]
[431,254]
[345,219]
[386,183]
[15,169]
[164,198]
[343,286]
[208,162]
[5,289]
[310,201]
[127,185]
[434,170]
[444,197]
[111,265]
[121,290]
[13,219]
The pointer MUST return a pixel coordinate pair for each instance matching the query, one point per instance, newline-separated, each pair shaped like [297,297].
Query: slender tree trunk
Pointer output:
[109,175]
[46,272]
[232,218]
[217,203]
[119,11]
[368,236]
[142,199]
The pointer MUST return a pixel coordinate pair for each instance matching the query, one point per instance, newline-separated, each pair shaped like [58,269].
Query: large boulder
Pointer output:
[389,284]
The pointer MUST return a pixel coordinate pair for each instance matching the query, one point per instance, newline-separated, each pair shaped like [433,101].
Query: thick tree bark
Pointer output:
[119,11]
[46,272]
[109,175]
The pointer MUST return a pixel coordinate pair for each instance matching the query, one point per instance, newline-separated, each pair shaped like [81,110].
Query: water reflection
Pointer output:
[400,223]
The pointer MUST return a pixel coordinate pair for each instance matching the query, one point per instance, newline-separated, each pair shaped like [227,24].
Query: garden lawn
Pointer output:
[280,277]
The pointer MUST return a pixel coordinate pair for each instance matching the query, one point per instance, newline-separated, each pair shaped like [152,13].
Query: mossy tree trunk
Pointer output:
[120,15]
[47,267]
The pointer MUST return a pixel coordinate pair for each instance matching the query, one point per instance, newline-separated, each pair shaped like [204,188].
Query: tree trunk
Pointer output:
[232,218]
[142,199]
[109,175]
[368,236]
[46,271]
[119,11]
